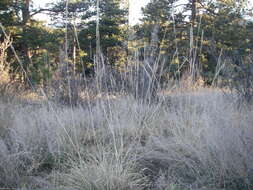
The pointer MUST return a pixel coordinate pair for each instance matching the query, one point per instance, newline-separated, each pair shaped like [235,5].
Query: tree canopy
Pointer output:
[191,36]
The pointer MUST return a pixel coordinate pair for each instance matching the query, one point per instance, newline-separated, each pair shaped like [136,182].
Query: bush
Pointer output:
[239,73]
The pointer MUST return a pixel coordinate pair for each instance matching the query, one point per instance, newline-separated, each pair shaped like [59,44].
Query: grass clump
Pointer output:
[192,140]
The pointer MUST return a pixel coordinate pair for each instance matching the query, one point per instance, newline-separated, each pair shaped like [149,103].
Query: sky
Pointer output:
[135,9]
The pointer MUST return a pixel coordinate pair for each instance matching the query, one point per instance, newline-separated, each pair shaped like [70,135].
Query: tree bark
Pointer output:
[193,11]
[26,17]
[193,55]
[99,62]
[147,86]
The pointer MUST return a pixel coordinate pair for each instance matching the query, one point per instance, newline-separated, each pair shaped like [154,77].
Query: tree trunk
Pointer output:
[193,11]
[26,17]
[147,86]
[26,12]
[99,62]
[193,54]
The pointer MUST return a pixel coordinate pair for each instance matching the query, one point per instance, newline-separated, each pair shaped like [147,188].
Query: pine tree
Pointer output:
[113,18]
[31,40]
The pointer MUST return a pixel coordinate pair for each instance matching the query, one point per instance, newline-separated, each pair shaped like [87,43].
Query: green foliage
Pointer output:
[239,71]
[195,32]
[76,10]
[112,20]
[220,28]
[6,12]
[227,34]
[31,39]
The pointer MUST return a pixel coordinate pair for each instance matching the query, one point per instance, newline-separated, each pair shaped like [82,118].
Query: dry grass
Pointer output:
[194,141]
